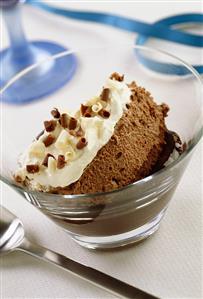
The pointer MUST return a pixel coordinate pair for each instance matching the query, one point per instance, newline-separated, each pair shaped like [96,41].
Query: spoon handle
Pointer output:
[100,279]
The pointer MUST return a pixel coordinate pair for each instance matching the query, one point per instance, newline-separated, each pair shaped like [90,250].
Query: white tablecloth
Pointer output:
[169,263]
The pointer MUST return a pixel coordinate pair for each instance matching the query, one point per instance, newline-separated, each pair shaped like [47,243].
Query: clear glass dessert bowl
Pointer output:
[132,213]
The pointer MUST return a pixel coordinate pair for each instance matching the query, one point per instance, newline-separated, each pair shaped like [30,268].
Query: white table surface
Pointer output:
[169,264]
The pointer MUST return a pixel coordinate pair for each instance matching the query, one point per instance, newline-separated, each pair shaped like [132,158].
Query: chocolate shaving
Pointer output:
[87,114]
[105,94]
[72,123]
[55,113]
[104,113]
[81,143]
[39,135]
[83,109]
[50,125]
[86,110]
[18,179]
[48,140]
[61,161]
[32,168]
[117,77]
[45,161]
[64,120]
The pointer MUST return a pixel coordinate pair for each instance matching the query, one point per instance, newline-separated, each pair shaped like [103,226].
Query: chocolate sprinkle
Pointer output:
[61,161]
[72,123]
[55,113]
[45,161]
[49,125]
[48,140]
[81,143]
[104,113]
[64,120]
[32,168]
[105,94]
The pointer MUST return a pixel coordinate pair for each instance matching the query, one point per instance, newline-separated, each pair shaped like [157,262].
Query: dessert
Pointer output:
[114,139]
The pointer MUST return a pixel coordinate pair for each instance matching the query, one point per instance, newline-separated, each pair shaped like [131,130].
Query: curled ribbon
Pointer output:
[162,29]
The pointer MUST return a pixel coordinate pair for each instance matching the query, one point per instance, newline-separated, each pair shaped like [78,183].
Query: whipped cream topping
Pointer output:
[75,152]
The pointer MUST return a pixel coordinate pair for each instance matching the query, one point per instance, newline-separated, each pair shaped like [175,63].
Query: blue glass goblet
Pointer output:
[23,53]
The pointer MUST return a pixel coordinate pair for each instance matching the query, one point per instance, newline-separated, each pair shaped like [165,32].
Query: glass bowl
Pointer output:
[132,213]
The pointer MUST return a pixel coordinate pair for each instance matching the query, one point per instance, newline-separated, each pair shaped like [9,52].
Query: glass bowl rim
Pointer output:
[193,143]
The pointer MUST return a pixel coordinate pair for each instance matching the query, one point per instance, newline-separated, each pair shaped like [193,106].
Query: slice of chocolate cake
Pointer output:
[115,139]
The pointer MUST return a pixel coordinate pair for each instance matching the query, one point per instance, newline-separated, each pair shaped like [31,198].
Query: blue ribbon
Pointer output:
[166,68]
[162,29]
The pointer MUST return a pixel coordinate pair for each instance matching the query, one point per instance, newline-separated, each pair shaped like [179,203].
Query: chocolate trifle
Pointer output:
[114,139]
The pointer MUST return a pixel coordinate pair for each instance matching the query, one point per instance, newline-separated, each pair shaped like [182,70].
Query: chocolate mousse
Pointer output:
[114,139]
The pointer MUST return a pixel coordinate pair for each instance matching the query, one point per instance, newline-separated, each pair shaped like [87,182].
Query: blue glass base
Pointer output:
[46,78]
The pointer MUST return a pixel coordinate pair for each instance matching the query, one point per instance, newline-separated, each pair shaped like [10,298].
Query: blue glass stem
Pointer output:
[12,18]
[20,49]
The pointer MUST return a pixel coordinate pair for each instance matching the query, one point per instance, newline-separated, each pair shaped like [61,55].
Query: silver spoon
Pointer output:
[12,237]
